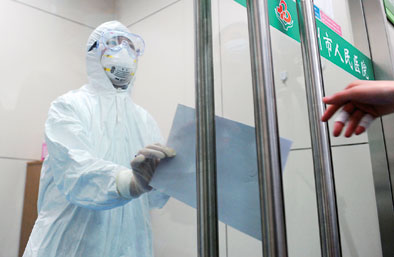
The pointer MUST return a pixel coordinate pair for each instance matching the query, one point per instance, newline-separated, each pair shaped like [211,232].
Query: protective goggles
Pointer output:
[116,40]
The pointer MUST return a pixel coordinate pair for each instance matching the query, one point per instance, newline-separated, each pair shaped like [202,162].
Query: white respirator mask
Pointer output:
[119,66]
[120,56]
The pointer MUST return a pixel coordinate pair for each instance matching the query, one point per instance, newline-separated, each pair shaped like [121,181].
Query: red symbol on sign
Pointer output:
[284,15]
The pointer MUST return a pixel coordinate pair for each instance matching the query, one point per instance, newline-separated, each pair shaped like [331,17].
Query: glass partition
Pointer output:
[356,199]
[48,42]
[343,22]
[166,88]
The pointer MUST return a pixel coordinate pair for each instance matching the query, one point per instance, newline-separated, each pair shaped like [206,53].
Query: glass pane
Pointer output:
[166,81]
[50,61]
[345,20]
[355,190]
[299,184]
[233,74]
[341,30]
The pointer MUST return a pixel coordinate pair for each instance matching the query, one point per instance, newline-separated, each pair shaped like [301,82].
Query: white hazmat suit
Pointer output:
[92,134]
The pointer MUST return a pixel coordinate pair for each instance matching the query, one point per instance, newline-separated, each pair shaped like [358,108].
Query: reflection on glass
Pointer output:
[92,134]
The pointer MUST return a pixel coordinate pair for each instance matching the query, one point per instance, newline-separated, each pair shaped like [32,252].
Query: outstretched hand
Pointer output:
[361,102]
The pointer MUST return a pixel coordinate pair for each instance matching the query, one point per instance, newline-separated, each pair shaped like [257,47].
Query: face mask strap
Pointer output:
[93,46]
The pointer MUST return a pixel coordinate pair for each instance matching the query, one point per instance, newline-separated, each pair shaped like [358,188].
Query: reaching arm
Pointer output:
[360,102]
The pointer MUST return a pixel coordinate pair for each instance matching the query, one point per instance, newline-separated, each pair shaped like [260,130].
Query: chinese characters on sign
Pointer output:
[342,53]
[283,17]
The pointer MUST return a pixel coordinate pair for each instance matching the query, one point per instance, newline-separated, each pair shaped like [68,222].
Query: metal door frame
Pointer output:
[381,133]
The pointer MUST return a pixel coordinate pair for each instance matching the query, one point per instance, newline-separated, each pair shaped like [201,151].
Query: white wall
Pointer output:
[42,57]
[130,12]
[88,13]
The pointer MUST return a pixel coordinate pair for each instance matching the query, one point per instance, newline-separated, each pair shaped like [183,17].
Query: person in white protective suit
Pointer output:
[94,196]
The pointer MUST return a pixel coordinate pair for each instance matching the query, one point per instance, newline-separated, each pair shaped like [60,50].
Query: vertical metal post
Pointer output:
[273,225]
[207,217]
[324,175]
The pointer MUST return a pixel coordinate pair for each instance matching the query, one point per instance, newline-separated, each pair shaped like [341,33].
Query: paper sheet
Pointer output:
[237,183]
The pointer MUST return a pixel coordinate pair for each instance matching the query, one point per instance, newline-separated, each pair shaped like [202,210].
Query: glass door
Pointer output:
[344,47]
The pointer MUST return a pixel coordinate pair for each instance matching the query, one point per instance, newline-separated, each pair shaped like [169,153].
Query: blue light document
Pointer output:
[237,183]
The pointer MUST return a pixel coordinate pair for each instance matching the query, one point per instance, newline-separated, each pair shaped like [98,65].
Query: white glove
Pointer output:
[143,167]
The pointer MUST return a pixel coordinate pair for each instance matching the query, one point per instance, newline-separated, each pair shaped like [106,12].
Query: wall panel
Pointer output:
[130,12]
[356,200]
[12,185]
[87,12]
[44,58]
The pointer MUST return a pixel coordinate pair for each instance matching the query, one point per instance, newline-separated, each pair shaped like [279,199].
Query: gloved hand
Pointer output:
[144,165]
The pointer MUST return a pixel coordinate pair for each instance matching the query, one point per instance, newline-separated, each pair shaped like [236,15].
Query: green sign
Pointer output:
[389,7]
[283,17]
